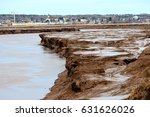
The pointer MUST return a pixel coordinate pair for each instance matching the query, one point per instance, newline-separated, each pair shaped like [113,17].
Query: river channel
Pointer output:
[27,70]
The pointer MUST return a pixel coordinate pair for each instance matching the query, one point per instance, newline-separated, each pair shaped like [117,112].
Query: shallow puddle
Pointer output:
[114,74]
[110,97]
[103,52]
[102,39]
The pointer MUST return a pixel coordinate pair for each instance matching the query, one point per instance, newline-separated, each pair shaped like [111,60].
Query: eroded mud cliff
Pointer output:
[18,30]
[101,64]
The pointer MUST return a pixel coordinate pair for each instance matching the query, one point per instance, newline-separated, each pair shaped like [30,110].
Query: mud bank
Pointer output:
[113,26]
[100,64]
[139,83]
[14,30]
[73,27]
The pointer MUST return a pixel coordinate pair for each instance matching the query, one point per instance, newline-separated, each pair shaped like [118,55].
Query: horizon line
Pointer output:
[75,14]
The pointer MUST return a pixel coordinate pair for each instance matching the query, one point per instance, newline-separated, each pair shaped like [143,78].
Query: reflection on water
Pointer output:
[27,70]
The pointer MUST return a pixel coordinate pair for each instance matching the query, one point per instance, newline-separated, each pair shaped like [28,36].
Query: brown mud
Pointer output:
[73,27]
[101,63]
[18,30]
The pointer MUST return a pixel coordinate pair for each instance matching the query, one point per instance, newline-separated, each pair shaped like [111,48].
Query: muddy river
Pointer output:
[27,70]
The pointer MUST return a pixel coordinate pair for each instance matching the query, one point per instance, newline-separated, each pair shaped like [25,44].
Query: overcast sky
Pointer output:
[73,7]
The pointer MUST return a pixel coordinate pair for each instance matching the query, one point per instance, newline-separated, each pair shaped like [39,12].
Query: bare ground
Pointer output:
[102,63]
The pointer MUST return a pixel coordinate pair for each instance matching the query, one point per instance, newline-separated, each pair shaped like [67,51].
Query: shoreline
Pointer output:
[112,68]
[20,30]
[73,27]
[95,77]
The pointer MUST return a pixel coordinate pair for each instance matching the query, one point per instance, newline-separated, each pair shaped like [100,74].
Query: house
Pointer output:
[61,20]
[147,20]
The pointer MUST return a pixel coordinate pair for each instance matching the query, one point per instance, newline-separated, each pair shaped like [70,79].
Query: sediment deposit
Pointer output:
[18,30]
[73,27]
[101,63]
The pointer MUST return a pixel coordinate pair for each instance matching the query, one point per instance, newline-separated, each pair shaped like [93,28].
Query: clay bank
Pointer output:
[101,63]
[33,29]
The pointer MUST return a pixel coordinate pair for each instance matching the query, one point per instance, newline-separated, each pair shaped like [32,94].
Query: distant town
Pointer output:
[16,19]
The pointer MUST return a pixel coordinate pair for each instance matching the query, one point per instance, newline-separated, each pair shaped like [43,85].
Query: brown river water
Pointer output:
[27,70]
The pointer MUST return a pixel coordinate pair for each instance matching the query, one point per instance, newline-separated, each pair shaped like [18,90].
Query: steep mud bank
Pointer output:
[97,62]
[139,84]
[14,30]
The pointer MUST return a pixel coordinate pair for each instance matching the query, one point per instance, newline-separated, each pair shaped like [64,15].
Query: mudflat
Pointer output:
[110,63]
